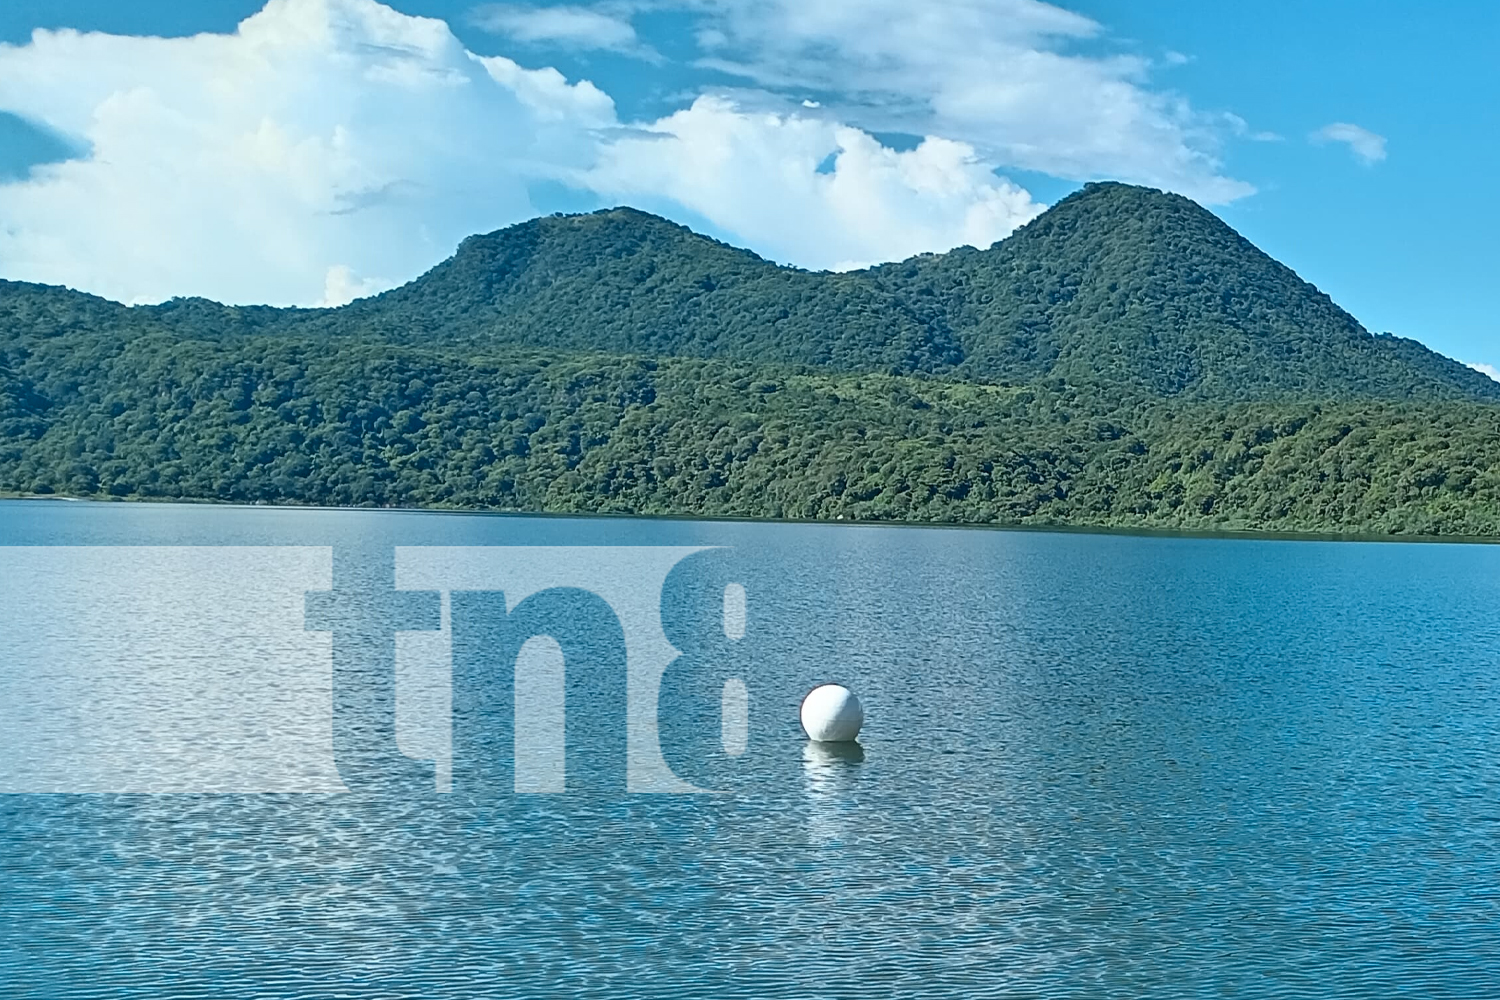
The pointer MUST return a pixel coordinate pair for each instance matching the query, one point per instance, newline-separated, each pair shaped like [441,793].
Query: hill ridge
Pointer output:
[1115,284]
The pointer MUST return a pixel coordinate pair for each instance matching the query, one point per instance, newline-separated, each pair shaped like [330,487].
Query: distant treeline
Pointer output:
[293,421]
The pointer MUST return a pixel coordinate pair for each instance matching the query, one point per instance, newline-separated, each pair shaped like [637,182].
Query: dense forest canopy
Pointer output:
[1125,359]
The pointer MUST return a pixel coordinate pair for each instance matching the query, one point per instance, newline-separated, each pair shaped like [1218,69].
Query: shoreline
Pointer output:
[1244,534]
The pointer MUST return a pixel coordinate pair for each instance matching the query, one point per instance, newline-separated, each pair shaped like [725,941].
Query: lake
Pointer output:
[1093,765]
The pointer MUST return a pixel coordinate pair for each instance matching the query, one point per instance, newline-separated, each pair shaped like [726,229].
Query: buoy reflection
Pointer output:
[829,772]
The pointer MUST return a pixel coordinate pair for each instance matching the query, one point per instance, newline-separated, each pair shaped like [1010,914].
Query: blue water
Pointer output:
[1094,766]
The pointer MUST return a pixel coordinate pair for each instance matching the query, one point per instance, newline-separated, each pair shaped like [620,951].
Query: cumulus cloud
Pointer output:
[330,148]
[342,286]
[757,175]
[1489,370]
[1367,147]
[1010,78]
[569,27]
[1241,128]
[325,148]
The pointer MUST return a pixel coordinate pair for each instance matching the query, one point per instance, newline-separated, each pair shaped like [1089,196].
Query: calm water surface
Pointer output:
[1094,766]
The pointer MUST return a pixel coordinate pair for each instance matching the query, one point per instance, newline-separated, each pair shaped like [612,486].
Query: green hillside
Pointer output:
[1115,284]
[1127,284]
[625,282]
[1126,359]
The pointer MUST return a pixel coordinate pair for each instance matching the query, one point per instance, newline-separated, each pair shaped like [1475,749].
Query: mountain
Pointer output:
[1129,284]
[625,282]
[1125,359]
[1116,285]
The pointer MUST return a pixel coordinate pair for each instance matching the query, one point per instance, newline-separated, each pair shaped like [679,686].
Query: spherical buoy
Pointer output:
[831,714]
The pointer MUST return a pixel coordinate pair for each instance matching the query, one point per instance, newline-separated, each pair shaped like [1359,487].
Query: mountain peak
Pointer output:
[1116,283]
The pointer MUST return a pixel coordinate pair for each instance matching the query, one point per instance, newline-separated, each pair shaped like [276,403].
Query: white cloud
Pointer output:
[1366,146]
[342,286]
[1007,77]
[1241,128]
[1489,370]
[570,27]
[322,134]
[756,175]
[330,148]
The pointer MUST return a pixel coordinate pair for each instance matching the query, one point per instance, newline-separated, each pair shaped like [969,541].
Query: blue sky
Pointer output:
[330,148]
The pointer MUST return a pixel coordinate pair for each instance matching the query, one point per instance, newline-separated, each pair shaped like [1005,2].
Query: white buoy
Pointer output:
[831,714]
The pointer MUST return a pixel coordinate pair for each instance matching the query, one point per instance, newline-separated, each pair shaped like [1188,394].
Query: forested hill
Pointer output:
[1115,285]
[1128,284]
[1125,359]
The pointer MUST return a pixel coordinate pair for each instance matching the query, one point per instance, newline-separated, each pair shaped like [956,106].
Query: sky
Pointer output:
[312,151]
